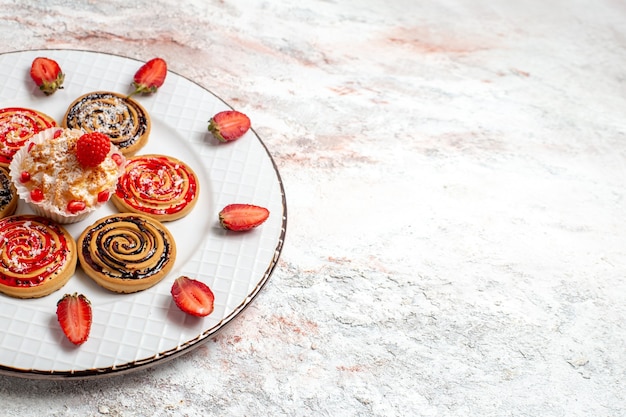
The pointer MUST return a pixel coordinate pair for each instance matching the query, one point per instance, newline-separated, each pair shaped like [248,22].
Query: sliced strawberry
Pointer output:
[74,315]
[192,296]
[229,125]
[149,77]
[46,73]
[241,217]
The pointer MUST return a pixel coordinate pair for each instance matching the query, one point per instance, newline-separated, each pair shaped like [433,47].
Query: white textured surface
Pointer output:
[455,181]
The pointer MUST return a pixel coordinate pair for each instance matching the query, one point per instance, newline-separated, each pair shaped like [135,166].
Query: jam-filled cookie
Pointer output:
[126,252]
[158,186]
[17,126]
[8,194]
[37,256]
[121,118]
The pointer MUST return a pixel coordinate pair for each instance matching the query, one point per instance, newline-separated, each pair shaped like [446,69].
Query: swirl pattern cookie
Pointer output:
[17,126]
[8,194]
[37,256]
[158,186]
[123,119]
[126,252]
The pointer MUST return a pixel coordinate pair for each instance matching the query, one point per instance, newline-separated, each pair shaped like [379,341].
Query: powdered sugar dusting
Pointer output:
[122,119]
[16,127]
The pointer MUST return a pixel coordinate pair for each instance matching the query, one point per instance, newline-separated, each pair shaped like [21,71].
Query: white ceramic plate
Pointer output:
[136,330]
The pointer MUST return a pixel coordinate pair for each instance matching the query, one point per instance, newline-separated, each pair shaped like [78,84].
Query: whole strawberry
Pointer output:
[229,125]
[149,77]
[46,73]
[92,148]
[242,217]
[75,317]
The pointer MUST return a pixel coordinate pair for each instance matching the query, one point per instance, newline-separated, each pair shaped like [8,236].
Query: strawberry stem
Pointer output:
[142,89]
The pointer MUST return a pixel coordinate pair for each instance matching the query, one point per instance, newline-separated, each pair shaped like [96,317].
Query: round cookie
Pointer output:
[121,118]
[158,186]
[126,252]
[17,126]
[37,256]
[8,194]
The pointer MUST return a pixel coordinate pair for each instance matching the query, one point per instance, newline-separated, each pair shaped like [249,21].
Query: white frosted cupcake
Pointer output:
[65,174]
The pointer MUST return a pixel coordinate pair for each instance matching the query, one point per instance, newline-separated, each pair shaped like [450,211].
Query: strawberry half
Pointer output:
[149,77]
[74,315]
[241,217]
[46,73]
[229,125]
[192,296]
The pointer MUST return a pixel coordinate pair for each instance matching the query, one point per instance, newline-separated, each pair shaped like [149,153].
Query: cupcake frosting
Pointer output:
[47,173]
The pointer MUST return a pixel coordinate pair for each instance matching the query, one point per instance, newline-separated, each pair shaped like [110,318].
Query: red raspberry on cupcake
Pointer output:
[92,148]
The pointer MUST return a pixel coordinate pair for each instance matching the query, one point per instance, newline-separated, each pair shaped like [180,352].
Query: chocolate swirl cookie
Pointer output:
[8,194]
[17,126]
[37,256]
[123,119]
[158,186]
[126,252]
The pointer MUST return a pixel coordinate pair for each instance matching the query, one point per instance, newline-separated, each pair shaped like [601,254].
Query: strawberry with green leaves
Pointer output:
[242,217]
[47,74]
[150,77]
[192,296]
[229,125]
[75,317]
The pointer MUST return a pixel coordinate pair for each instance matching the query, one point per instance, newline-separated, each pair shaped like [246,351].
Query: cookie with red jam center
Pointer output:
[17,126]
[37,256]
[158,186]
